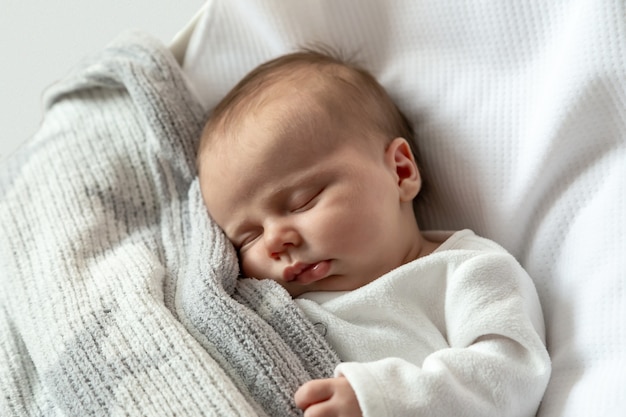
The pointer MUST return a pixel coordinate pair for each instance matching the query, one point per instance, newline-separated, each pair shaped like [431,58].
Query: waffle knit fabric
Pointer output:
[119,294]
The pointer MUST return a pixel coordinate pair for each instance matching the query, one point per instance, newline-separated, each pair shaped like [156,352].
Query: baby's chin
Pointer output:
[332,283]
[295,289]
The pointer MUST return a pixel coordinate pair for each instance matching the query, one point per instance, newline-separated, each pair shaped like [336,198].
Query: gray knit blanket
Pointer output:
[119,295]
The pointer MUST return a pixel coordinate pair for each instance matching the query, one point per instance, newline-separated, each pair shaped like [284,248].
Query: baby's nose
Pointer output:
[279,238]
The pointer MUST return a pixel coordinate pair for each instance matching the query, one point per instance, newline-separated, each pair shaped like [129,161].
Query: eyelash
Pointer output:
[301,208]
[305,205]
[246,242]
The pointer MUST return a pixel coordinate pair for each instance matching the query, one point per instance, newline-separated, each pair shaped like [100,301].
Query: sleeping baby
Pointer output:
[310,169]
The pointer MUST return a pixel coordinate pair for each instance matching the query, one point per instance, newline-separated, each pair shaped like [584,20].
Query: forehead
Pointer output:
[270,149]
[283,123]
[272,142]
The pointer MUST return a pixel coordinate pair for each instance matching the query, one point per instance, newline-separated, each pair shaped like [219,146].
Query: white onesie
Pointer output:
[456,333]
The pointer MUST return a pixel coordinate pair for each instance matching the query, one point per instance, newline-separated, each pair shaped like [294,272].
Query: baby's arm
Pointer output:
[332,397]
[495,364]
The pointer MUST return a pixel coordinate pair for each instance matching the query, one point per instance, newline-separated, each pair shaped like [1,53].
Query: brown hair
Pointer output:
[345,87]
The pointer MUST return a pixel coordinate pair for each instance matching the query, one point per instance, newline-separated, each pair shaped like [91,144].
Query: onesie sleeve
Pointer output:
[496,363]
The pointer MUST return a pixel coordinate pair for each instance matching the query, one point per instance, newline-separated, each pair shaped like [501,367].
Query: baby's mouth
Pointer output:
[304,273]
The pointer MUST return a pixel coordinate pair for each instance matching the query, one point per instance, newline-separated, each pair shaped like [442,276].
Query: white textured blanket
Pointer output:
[119,295]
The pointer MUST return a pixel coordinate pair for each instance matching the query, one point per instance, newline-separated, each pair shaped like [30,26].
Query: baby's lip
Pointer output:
[291,272]
[306,273]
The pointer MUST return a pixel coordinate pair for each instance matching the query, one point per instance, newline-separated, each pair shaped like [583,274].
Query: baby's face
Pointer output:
[310,216]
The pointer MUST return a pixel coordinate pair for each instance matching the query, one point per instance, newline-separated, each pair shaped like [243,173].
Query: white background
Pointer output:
[41,40]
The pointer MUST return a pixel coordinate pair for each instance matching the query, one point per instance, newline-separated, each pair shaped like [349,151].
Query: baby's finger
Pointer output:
[313,392]
[323,409]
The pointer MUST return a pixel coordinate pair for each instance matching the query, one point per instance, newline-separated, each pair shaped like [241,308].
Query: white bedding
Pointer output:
[520,112]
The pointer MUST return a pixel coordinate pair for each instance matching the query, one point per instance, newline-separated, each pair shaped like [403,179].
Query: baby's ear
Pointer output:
[400,158]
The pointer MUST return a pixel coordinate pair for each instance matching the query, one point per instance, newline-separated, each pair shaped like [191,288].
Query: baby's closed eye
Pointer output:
[247,239]
[306,200]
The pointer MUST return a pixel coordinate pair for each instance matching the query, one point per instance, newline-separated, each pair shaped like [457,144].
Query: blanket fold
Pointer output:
[119,294]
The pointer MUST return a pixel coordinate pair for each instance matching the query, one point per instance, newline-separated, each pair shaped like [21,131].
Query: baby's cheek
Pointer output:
[356,226]
[251,265]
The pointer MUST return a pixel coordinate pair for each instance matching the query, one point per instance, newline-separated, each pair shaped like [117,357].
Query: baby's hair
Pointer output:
[345,86]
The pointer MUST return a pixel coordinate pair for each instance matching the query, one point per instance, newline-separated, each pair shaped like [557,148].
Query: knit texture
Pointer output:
[119,294]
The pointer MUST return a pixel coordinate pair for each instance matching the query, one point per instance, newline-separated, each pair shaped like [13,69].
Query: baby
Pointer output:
[308,167]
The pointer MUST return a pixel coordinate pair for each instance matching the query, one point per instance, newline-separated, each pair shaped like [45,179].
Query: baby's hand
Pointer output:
[333,397]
